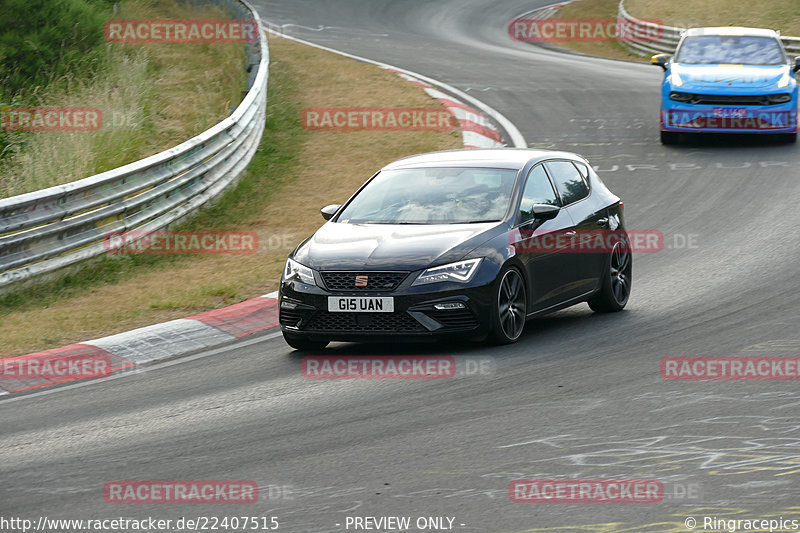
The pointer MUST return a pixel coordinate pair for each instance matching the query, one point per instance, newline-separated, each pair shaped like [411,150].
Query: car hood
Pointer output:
[727,78]
[339,246]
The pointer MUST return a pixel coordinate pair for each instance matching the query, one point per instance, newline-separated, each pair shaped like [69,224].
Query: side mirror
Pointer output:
[545,211]
[796,66]
[661,60]
[329,210]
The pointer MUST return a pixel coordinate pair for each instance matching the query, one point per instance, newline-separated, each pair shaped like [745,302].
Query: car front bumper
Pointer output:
[689,118]
[304,313]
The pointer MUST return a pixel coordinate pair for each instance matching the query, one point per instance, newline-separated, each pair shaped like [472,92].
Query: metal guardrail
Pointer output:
[640,39]
[46,230]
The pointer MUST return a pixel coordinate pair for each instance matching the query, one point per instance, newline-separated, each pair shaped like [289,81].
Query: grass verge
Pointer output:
[142,91]
[783,15]
[293,174]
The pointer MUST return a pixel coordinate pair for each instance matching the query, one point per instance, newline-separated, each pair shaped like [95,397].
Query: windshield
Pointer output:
[730,49]
[433,196]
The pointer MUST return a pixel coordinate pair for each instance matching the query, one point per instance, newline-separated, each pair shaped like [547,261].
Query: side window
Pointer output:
[537,191]
[583,169]
[568,181]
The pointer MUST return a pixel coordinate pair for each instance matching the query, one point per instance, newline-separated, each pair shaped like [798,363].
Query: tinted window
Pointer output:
[568,181]
[730,49]
[537,191]
[433,196]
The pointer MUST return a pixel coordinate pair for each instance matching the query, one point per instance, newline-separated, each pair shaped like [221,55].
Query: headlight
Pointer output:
[462,272]
[680,97]
[293,270]
[675,79]
[784,81]
[779,98]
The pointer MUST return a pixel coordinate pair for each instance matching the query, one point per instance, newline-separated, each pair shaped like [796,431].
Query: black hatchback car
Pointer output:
[464,243]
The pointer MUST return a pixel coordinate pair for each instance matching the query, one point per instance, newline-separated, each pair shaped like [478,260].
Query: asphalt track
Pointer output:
[580,396]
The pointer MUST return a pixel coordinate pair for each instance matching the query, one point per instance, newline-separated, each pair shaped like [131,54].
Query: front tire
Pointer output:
[790,138]
[303,344]
[509,308]
[616,285]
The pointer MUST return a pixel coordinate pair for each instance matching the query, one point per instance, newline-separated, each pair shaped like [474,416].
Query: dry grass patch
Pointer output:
[152,97]
[783,15]
[325,167]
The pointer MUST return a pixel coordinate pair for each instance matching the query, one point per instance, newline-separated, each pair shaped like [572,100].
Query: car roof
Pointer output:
[511,158]
[731,30]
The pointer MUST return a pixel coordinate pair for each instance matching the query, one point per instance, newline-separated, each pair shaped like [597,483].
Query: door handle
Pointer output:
[602,221]
[570,233]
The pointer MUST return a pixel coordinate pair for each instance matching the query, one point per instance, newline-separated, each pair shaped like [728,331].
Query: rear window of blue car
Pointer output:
[731,49]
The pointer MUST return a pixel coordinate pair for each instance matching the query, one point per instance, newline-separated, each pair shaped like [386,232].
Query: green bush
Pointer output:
[41,40]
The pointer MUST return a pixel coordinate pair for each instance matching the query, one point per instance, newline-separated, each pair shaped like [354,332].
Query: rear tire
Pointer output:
[303,344]
[669,137]
[509,308]
[616,285]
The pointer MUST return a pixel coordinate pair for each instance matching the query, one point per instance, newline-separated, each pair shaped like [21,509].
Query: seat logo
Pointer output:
[361,281]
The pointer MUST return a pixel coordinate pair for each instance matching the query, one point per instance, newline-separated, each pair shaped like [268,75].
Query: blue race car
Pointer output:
[728,80]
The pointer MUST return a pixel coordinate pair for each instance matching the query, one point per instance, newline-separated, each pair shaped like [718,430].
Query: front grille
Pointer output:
[367,281]
[454,319]
[728,99]
[363,322]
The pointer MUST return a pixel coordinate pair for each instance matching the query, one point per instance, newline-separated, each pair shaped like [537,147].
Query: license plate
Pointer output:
[729,112]
[360,304]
